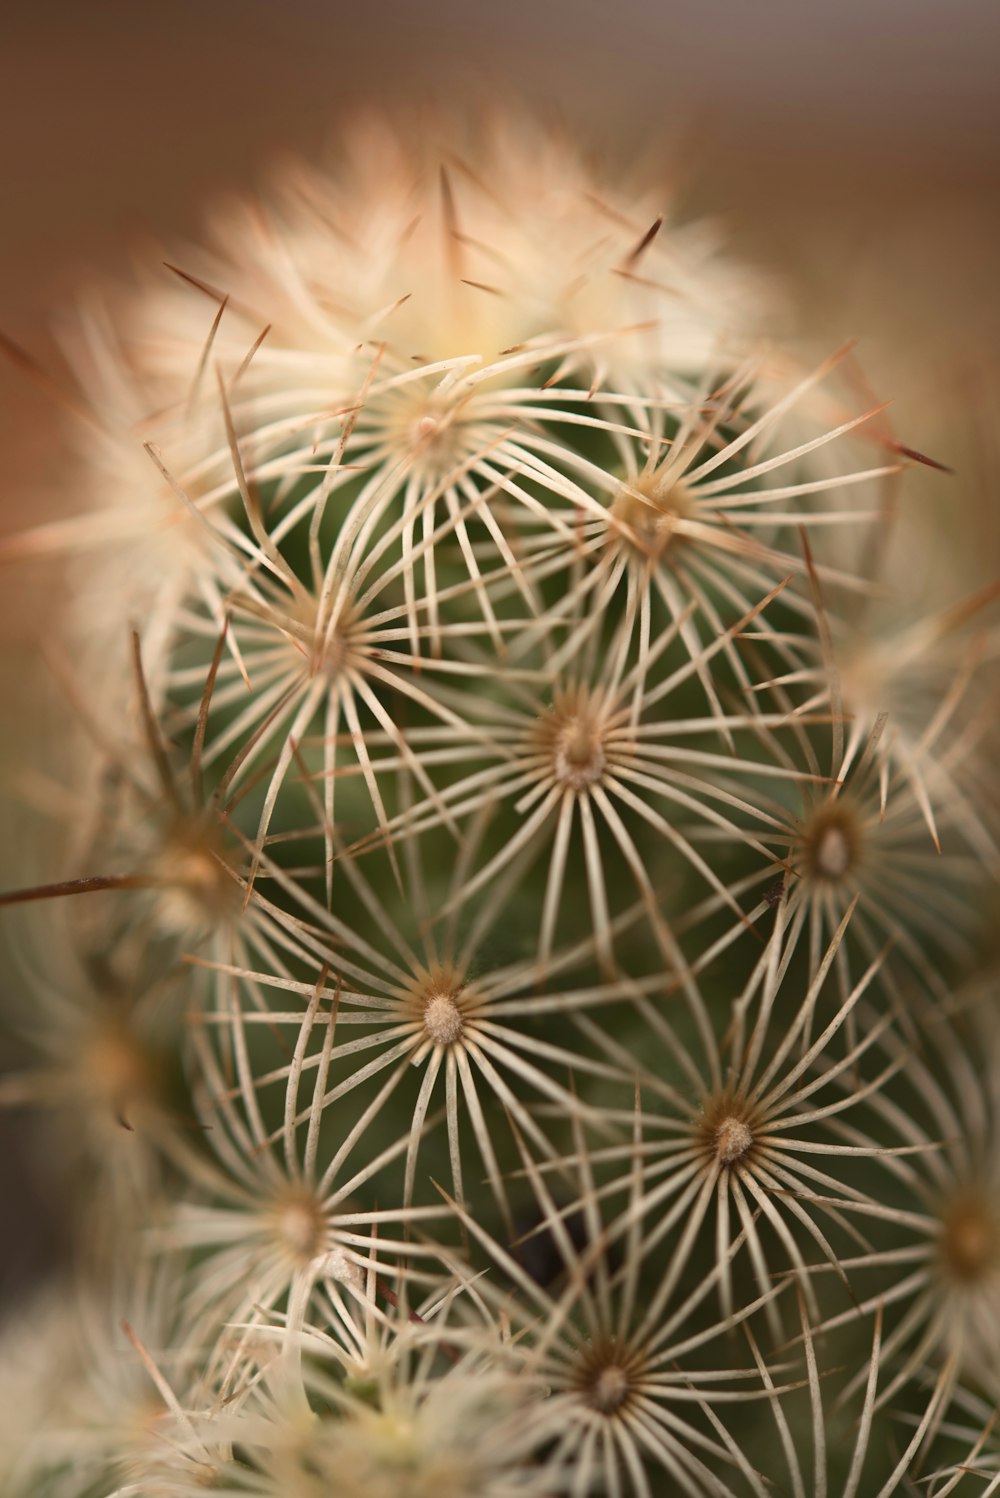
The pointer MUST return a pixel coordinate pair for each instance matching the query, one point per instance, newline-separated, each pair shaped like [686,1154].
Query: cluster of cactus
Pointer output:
[509,985]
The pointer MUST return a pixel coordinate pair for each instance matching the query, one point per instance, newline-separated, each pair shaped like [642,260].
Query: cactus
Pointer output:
[509,1000]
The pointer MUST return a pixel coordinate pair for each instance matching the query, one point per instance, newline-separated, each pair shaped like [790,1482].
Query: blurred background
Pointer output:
[851,147]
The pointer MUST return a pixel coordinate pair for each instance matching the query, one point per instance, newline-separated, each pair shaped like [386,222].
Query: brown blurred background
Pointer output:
[853,146]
